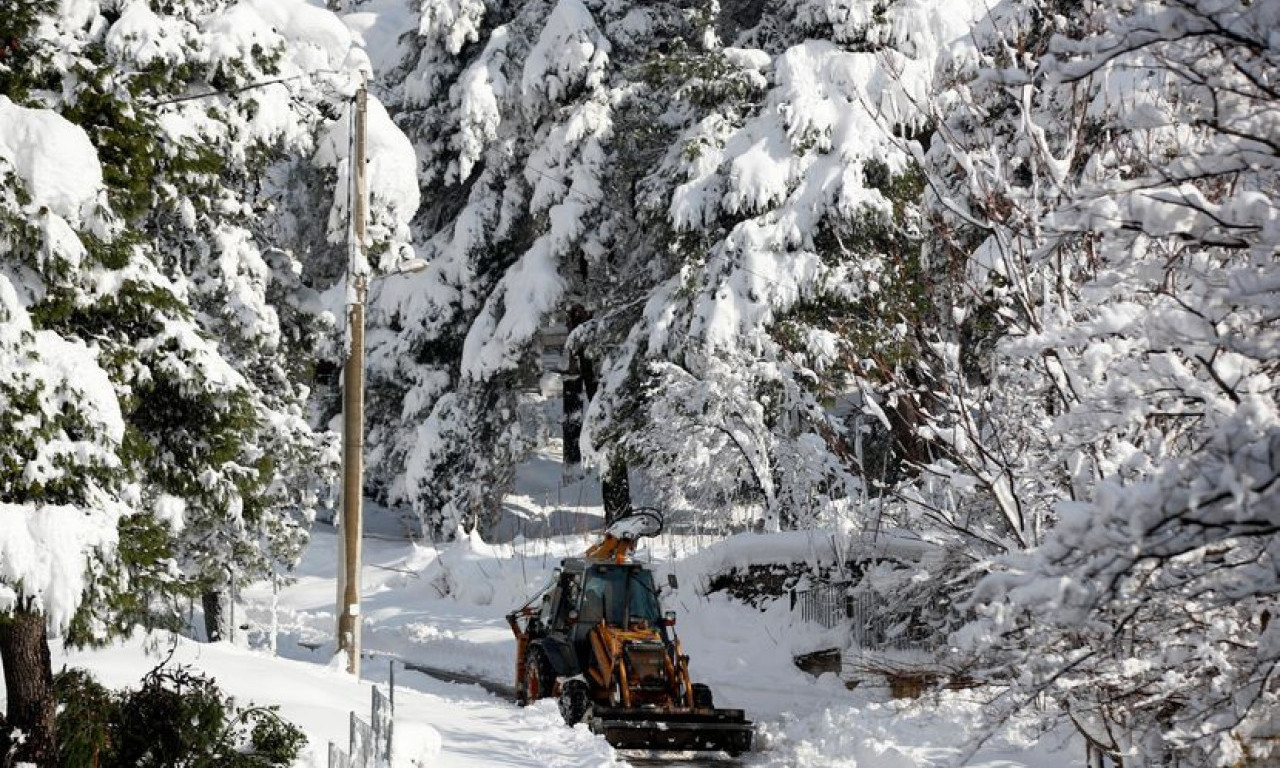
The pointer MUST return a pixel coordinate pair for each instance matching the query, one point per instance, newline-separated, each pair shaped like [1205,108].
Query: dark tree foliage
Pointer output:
[177,718]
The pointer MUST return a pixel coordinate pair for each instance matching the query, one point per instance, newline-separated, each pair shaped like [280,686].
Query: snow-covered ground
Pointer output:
[444,606]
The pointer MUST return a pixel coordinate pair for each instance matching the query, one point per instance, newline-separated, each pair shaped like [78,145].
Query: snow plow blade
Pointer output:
[706,729]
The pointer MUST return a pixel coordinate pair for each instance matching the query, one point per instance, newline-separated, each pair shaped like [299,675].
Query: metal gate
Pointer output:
[369,744]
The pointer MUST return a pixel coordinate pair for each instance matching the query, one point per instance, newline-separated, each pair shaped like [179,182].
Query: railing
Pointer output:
[369,744]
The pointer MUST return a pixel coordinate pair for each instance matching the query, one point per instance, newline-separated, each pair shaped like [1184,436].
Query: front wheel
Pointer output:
[574,701]
[539,678]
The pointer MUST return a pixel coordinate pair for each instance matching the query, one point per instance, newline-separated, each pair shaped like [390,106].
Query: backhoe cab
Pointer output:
[596,638]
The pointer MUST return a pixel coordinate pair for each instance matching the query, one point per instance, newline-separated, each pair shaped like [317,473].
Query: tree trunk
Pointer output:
[616,489]
[571,427]
[215,624]
[28,684]
[579,387]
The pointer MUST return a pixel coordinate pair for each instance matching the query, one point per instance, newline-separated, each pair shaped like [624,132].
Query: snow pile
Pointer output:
[417,745]
[52,156]
[746,549]
[861,730]
[471,572]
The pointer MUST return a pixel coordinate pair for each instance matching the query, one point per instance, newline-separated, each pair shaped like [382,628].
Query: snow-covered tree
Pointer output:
[80,555]
[688,201]
[159,327]
[215,122]
[1111,171]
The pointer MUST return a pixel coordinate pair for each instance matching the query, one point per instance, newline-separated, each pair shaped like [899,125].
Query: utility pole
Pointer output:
[353,399]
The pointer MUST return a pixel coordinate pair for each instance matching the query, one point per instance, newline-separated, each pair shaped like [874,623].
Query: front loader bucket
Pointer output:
[698,729]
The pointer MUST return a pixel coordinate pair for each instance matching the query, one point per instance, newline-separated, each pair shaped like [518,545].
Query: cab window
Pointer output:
[619,595]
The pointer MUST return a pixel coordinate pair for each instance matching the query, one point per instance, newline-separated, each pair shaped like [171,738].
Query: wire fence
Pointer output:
[872,625]
[369,744]
[827,604]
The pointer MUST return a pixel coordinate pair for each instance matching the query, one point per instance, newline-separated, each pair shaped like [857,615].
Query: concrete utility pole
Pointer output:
[353,400]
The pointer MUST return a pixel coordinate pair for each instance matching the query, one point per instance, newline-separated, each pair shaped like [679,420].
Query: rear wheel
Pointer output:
[539,678]
[574,701]
[702,698]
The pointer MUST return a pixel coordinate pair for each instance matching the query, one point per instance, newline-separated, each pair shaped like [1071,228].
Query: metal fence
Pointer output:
[872,625]
[369,744]
[827,604]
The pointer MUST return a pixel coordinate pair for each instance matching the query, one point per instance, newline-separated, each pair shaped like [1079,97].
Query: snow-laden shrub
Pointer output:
[176,718]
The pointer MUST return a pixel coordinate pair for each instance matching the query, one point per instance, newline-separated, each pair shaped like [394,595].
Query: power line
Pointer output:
[240,89]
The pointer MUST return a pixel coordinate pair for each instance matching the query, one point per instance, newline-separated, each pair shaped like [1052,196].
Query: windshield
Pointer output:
[620,596]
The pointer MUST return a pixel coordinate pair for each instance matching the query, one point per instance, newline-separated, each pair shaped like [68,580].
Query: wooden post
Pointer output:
[353,401]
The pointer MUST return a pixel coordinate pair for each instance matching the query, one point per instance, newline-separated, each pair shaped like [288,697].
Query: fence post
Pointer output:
[375,721]
[391,720]
[231,601]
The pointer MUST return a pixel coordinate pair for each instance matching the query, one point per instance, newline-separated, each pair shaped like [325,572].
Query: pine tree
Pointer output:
[141,248]
[81,557]
[203,179]
[605,159]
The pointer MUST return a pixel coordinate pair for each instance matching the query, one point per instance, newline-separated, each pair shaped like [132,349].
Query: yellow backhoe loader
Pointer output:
[596,639]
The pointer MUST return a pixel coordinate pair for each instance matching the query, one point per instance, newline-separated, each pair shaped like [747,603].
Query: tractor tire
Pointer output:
[702,698]
[574,701]
[539,678]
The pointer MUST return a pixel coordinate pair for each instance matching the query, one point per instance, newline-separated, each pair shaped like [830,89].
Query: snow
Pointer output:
[70,420]
[45,555]
[481,88]
[1139,359]
[379,28]
[391,176]
[444,606]
[171,510]
[417,745]
[140,35]
[453,22]
[320,42]
[748,58]
[189,357]
[443,724]
[564,174]
[802,156]
[53,157]
[570,52]
[66,376]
